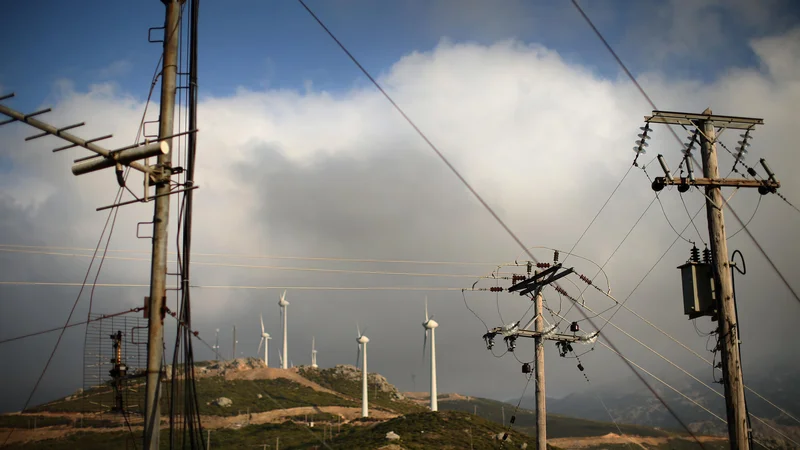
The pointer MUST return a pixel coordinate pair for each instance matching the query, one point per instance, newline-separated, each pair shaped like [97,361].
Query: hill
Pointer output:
[245,404]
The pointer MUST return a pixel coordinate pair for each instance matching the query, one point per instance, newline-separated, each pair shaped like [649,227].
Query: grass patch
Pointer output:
[279,393]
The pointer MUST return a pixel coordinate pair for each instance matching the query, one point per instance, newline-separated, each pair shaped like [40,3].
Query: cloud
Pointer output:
[311,173]
[114,70]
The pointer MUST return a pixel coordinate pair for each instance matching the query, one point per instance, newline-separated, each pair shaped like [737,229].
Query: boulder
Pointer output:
[392,436]
[223,402]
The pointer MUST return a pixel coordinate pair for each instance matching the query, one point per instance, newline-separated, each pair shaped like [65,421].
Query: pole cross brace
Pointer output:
[548,335]
[717,182]
[540,280]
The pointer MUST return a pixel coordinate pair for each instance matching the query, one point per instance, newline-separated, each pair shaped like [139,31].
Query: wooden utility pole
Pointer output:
[728,330]
[541,408]
[725,313]
[158,268]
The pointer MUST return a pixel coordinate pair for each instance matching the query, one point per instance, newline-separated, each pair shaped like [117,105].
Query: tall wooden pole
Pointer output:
[541,408]
[158,267]
[728,329]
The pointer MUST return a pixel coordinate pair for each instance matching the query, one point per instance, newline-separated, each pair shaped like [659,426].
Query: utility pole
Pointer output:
[722,290]
[533,283]
[158,268]
[208,440]
[541,408]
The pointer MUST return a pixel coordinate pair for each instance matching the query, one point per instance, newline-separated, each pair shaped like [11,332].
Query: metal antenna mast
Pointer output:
[720,291]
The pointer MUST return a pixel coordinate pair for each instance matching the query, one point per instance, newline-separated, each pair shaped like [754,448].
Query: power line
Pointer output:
[598,212]
[74,324]
[14,248]
[298,288]
[253,266]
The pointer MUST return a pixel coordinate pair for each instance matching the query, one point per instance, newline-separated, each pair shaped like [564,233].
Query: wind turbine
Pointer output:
[362,354]
[313,354]
[265,338]
[216,347]
[282,303]
[430,325]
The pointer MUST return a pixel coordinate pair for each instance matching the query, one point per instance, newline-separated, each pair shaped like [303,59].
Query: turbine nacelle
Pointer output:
[362,339]
[282,302]
[430,324]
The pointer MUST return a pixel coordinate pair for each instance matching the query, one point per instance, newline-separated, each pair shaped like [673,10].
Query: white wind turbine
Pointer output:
[362,354]
[431,325]
[265,338]
[313,354]
[282,303]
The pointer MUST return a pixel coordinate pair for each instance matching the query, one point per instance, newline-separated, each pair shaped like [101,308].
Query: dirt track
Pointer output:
[210,422]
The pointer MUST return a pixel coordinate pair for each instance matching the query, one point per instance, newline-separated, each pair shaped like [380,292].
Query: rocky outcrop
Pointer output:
[348,372]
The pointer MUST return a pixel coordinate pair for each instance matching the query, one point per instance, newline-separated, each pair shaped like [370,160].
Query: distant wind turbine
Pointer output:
[265,338]
[362,354]
[430,325]
[282,303]
[313,354]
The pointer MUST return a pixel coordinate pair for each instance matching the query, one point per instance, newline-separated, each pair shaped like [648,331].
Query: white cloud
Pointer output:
[115,70]
[545,141]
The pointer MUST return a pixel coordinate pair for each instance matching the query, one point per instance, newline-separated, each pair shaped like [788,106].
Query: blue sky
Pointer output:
[276,44]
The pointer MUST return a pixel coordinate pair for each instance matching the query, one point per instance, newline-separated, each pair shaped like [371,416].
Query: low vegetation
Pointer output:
[329,378]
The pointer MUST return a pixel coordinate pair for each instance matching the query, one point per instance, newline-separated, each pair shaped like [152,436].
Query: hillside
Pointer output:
[569,432]
[245,404]
[630,402]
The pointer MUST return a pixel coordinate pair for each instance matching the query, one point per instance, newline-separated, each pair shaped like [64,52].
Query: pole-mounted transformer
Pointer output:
[698,286]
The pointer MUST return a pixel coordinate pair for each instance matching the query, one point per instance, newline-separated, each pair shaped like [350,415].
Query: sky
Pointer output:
[300,157]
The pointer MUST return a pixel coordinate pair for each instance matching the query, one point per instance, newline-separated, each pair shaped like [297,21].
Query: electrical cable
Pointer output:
[75,324]
[750,219]
[691,219]
[598,213]
[253,266]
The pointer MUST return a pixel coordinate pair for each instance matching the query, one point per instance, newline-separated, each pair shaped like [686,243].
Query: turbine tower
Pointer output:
[313,354]
[284,356]
[431,325]
[264,340]
[362,342]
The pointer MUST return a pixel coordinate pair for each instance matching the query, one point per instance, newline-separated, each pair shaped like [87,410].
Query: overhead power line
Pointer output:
[297,288]
[74,324]
[22,248]
[253,266]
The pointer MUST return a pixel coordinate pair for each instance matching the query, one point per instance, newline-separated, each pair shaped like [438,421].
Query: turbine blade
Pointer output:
[313,347]
[358,330]
[259,346]
[426,308]
[358,357]
[424,345]
[280,358]
[365,331]
[283,296]
[262,323]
